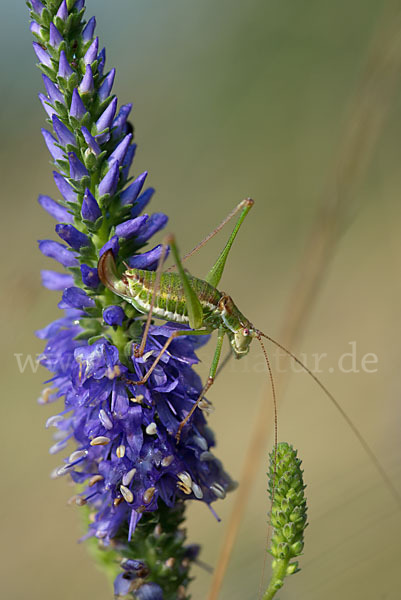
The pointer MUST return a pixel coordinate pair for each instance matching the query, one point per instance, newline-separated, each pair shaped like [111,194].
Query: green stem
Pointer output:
[280,567]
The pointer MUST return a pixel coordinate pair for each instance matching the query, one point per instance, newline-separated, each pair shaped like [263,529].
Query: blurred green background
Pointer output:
[231,99]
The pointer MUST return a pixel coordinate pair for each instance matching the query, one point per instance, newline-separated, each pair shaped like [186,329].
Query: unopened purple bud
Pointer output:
[107,84]
[60,213]
[56,281]
[87,84]
[114,315]
[122,584]
[64,69]
[77,108]
[35,28]
[90,140]
[120,120]
[131,227]
[127,162]
[79,4]
[90,210]
[45,103]
[55,36]
[102,61]
[76,298]
[77,169]
[57,251]
[108,184]
[65,136]
[89,29]
[147,260]
[90,277]
[142,202]
[64,188]
[155,222]
[106,118]
[37,6]
[62,12]
[91,53]
[74,238]
[121,150]
[52,146]
[149,591]
[112,244]
[42,55]
[130,194]
[52,90]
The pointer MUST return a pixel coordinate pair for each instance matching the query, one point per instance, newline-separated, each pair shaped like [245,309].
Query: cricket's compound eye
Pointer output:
[245,331]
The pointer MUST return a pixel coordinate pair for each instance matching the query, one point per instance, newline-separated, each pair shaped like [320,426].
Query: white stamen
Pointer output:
[44,398]
[218,490]
[197,491]
[137,399]
[105,419]
[151,429]
[113,372]
[120,452]
[148,495]
[79,501]
[127,477]
[77,455]
[167,460]
[54,421]
[95,479]
[147,355]
[185,478]
[127,494]
[100,440]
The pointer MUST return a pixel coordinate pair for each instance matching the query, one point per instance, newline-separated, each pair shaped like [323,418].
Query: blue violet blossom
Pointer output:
[132,478]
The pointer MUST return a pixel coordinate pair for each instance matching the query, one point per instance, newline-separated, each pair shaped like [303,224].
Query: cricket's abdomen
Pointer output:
[170,303]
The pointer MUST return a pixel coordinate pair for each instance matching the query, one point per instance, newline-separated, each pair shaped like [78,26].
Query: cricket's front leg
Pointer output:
[208,385]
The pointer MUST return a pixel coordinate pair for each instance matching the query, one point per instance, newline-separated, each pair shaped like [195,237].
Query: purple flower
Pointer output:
[113,315]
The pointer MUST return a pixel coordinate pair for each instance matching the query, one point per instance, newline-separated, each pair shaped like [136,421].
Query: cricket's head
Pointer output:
[239,330]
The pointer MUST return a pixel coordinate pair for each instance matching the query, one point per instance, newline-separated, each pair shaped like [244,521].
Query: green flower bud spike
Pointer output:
[288,515]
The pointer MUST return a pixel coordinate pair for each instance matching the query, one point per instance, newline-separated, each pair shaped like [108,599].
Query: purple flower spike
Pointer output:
[90,277]
[108,184]
[107,84]
[64,188]
[42,55]
[76,298]
[156,222]
[62,12]
[51,143]
[90,140]
[89,29]
[77,169]
[56,281]
[55,36]
[45,103]
[130,194]
[90,210]
[87,84]
[142,201]
[91,53]
[114,315]
[37,6]
[52,90]
[129,228]
[121,150]
[74,238]
[58,251]
[147,260]
[112,244]
[105,120]
[120,120]
[77,108]
[65,136]
[55,210]
[64,68]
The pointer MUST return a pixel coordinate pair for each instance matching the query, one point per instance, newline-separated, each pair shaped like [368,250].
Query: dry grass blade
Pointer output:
[367,112]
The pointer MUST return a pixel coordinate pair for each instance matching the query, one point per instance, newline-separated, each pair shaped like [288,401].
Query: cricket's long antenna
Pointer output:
[258,334]
[346,418]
